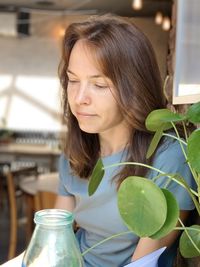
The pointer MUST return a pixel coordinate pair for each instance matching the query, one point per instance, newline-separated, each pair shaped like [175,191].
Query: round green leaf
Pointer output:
[172,215]
[187,249]
[142,205]
[193,113]
[161,118]
[194,150]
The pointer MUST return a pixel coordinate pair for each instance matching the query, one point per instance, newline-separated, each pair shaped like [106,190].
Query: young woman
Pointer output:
[111,82]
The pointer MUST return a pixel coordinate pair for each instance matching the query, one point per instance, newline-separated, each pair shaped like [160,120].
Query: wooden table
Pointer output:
[43,182]
[18,157]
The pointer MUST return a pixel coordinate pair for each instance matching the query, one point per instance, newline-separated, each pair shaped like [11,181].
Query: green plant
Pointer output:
[2,122]
[4,133]
[138,196]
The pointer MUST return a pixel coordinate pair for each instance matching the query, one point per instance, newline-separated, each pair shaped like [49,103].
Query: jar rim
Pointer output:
[53,217]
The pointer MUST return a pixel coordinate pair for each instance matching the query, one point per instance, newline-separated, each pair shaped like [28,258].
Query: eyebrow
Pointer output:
[93,76]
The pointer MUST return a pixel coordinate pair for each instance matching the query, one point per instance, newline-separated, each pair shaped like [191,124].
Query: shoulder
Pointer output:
[65,177]
[170,158]
[64,166]
[169,154]
[169,145]
[63,160]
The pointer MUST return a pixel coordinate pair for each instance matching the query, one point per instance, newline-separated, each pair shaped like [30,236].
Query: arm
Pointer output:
[147,245]
[169,160]
[65,203]
[64,199]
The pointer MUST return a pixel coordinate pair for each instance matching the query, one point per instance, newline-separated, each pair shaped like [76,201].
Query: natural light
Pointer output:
[189,89]
[30,102]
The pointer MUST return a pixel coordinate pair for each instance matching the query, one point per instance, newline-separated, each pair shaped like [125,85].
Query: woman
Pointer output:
[111,82]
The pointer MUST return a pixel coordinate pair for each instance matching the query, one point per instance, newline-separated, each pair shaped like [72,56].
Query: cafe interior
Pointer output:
[31,128]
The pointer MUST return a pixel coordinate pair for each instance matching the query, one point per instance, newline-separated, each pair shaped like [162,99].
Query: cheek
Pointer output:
[70,96]
[115,111]
[112,105]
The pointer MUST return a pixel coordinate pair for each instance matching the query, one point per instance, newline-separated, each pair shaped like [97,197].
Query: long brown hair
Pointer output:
[126,56]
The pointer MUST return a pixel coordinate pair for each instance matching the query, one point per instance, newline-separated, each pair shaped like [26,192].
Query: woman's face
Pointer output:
[90,94]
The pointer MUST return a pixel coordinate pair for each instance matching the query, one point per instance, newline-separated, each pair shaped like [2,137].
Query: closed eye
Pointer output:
[101,86]
[72,81]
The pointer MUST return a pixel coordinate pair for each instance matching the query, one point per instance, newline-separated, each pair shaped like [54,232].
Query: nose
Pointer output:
[82,96]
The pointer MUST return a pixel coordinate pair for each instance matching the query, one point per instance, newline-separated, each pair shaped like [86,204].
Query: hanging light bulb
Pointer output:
[159,18]
[166,23]
[137,4]
[61,31]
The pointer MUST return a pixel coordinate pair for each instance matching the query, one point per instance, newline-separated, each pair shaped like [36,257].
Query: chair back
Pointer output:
[13,215]
[44,200]
[11,189]
[45,196]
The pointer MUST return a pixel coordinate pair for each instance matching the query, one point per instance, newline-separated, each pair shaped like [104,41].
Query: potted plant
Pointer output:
[135,193]
[5,134]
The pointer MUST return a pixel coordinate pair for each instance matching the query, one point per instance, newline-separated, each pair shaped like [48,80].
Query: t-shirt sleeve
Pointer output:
[171,160]
[64,176]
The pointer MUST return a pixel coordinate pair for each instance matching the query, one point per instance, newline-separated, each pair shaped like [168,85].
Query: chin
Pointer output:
[88,130]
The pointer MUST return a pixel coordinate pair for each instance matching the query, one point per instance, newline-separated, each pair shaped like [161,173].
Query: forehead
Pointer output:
[83,57]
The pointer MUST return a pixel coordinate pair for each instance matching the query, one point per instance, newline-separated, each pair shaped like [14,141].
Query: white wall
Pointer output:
[29,87]
[158,38]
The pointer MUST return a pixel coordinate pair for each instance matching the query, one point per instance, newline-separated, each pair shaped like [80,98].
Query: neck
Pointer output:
[113,144]
[108,152]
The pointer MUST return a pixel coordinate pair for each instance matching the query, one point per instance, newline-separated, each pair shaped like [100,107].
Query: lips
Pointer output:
[84,114]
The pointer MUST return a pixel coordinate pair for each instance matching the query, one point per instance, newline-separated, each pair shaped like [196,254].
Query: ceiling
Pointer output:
[120,7]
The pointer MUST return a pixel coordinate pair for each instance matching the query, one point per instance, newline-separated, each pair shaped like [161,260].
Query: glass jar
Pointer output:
[53,243]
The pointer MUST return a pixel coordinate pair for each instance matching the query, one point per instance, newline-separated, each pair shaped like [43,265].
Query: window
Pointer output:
[186,87]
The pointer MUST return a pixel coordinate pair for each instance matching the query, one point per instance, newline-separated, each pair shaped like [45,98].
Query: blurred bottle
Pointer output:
[53,243]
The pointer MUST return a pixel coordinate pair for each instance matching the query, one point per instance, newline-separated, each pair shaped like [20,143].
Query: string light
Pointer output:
[166,24]
[137,4]
[159,18]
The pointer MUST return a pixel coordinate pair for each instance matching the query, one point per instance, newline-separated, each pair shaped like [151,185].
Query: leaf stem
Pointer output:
[179,139]
[150,167]
[185,131]
[187,228]
[174,137]
[104,240]
[183,150]
[190,191]
[133,163]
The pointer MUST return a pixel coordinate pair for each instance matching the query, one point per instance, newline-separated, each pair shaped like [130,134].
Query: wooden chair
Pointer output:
[11,189]
[44,200]
[40,193]
[13,216]
[47,185]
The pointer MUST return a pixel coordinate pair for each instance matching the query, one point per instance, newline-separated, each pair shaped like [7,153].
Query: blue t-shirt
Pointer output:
[98,215]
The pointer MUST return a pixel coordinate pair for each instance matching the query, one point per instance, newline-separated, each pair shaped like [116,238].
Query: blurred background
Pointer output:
[30,35]
[31,128]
